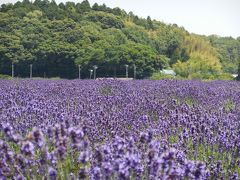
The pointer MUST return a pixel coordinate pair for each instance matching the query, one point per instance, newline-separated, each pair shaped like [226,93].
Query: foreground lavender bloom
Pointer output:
[234,176]
[27,148]
[52,173]
[7,129]
[19,177]
[37,137]
[153,129]
[96,173]
[84,157]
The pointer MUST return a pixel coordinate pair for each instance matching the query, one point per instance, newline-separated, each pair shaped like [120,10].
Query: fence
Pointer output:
[80,72]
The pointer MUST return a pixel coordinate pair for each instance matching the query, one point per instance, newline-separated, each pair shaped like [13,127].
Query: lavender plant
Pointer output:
[107,129]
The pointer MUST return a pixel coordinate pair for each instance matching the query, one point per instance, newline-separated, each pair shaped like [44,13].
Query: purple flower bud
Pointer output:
[84,157]
[234,176]
[19,177]
[52,173]
[27,148]
[38,137]
[61,152]
[97,173]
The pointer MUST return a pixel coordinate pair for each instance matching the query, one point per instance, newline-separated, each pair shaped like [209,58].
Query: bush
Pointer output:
[225,76]
[208,76]
[202,76]
[195,76]
[4,76]
[159,76]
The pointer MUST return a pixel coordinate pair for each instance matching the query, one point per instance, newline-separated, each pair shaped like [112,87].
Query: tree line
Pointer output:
[56,38]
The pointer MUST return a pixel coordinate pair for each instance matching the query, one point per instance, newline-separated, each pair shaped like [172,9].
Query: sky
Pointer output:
[220,17]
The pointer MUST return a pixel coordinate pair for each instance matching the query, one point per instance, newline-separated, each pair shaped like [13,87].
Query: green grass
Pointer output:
[229,105]
[106,91]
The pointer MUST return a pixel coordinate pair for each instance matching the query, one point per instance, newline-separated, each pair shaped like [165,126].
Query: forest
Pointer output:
[56,38]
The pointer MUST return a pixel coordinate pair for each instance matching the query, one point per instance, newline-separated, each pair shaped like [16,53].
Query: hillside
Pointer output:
[56,38]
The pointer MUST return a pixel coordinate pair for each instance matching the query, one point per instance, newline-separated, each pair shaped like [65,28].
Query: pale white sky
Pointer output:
[221,17]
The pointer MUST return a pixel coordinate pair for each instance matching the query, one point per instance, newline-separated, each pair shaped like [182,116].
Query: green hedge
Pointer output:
[3,76]
[159,76]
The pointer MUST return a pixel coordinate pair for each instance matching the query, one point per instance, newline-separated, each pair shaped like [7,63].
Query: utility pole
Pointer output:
[126,70]
[12,70]
[91,71]
[134,71]
[79,71]
[94,72]
[31,71]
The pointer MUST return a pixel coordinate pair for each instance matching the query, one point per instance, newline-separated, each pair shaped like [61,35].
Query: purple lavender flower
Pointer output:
[52,173]
[84,157]
[27,148]
[97,173]
[129,133]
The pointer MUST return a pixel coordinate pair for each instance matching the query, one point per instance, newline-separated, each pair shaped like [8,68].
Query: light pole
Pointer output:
[134,71]
[94,72]
[91,71]
[79,71]
[126,70]
[31,71]
[12,70]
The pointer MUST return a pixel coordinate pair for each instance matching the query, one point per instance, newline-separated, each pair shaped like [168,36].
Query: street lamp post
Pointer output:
[126,70]
[31,71]
[79,71]
[134,71]
[91,71]
[12,70]
[94,72]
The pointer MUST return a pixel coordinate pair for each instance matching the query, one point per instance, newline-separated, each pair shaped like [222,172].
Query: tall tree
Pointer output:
[149,23]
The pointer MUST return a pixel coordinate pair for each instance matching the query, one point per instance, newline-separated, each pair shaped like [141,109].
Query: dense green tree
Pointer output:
[6,7]
[107,20]
[229,52]
[149,23]
[137,34]
[83,7]
[118,12]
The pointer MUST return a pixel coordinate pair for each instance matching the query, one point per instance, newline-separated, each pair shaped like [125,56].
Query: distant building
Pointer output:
[122,79]
[168,72]
[234,75]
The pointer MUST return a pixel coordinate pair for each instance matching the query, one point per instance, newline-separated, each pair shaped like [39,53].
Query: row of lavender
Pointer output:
[118,129]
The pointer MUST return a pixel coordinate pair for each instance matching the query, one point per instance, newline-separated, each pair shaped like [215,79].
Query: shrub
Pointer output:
[225,76]
[159,76]
[4,76]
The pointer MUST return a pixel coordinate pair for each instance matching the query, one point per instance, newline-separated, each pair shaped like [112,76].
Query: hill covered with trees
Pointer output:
[56,38]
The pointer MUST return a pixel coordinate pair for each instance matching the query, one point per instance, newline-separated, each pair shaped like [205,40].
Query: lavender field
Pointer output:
[107,129]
